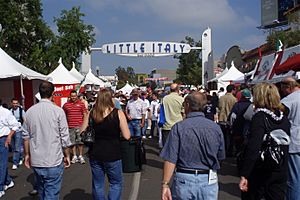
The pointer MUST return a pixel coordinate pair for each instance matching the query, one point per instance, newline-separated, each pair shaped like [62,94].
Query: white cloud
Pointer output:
[97,31]
[186,13]
[252,41]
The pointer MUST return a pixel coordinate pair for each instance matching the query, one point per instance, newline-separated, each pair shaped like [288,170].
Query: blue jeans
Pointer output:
[144,129]
[5,179]
[115,179]
[190,186]
[16,144]
[293,189]
[135,127]
[49,181]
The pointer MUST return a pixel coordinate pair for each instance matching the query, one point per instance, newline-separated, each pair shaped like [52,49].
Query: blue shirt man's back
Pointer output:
[195,143]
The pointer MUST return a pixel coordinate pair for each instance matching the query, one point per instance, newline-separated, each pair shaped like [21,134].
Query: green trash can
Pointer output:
[132,154]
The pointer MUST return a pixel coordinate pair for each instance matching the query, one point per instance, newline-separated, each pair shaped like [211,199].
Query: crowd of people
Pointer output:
[196,130]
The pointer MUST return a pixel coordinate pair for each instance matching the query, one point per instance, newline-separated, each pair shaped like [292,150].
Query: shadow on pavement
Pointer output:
[30,198]
[228,168]
[155,163]
[78,194]
[30,179]
[151,151]
[230,188]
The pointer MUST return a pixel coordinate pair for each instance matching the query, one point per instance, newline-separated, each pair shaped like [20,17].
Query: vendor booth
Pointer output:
[64,83]
[126,90]
[18,81]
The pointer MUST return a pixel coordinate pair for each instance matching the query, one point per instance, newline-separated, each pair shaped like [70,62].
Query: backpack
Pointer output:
[271,154]
[20,114]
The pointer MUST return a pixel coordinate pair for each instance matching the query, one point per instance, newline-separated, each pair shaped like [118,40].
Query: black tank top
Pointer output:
[107,146]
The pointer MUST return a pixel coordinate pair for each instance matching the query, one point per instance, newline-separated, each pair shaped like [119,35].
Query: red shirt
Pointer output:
[74,112]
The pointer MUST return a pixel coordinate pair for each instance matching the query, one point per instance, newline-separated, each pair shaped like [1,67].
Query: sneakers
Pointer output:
[10,185]
[2,193]
[74,159]
[81,159]
[150,137]
[14,167]
[21,162]
[33,192]
[144,137]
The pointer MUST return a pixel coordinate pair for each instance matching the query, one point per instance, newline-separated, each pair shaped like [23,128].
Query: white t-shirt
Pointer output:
[154,107]
[146,106]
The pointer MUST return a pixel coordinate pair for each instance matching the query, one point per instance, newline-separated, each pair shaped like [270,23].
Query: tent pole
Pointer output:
[22,92]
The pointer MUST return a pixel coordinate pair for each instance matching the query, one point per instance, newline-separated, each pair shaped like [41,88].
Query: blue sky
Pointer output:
[233,22]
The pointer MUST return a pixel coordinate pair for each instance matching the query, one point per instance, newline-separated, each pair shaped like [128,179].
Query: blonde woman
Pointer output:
[105,154]
[257,182]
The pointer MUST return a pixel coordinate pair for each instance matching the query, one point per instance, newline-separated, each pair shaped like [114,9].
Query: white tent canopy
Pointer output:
[10,68]
[76,74]
[90,78]
[219,76]
[62,76]
[126,89]
[232,75]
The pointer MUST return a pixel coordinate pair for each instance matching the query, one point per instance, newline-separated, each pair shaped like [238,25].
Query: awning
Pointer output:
[292,63]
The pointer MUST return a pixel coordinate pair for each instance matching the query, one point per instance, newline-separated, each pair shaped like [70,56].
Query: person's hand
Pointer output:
[243,184]
[27,162]
[129,118]
[7,141]
[67,162]
[166,193]
[142,125]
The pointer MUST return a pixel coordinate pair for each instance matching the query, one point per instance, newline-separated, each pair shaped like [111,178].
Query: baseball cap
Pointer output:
[246,93]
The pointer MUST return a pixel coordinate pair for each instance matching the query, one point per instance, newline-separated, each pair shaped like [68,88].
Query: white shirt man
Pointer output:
[8,126]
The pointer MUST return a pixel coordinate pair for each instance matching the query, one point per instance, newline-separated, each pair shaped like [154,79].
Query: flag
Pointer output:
[80,84]
[257,64]
[279,45]
[277,59]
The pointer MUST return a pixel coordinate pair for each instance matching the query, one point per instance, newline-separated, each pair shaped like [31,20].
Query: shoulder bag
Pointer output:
[271,155]
[88,135]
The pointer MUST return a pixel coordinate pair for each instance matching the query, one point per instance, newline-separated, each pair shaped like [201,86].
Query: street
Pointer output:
[144,185]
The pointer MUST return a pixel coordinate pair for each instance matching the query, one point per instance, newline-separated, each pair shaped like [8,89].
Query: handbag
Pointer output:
[271,155]
[162,117]
[88,135]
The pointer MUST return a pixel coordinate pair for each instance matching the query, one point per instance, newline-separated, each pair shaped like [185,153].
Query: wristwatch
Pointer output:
[165,184]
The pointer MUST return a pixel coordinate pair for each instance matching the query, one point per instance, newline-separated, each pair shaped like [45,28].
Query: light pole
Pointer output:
[98,70]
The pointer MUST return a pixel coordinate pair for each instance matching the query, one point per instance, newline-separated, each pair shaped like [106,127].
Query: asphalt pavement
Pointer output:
[144,185]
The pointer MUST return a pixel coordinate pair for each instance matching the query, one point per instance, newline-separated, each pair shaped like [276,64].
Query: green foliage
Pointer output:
[28,39]
[189,68]
[125,75]
[25,36]
[288,38]
[74,37]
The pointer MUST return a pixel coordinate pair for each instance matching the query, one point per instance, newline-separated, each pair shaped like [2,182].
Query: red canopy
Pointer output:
[292,63]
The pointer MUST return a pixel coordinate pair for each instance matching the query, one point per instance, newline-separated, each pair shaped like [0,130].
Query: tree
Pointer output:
[28,39]
[25,35]
[288,38]
[189,68]
[125,75]
[74,37]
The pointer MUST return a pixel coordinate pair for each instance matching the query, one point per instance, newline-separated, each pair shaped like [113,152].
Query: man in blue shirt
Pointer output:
[193,150]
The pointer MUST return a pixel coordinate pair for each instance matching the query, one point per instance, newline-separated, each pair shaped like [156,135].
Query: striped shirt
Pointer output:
[74,112]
